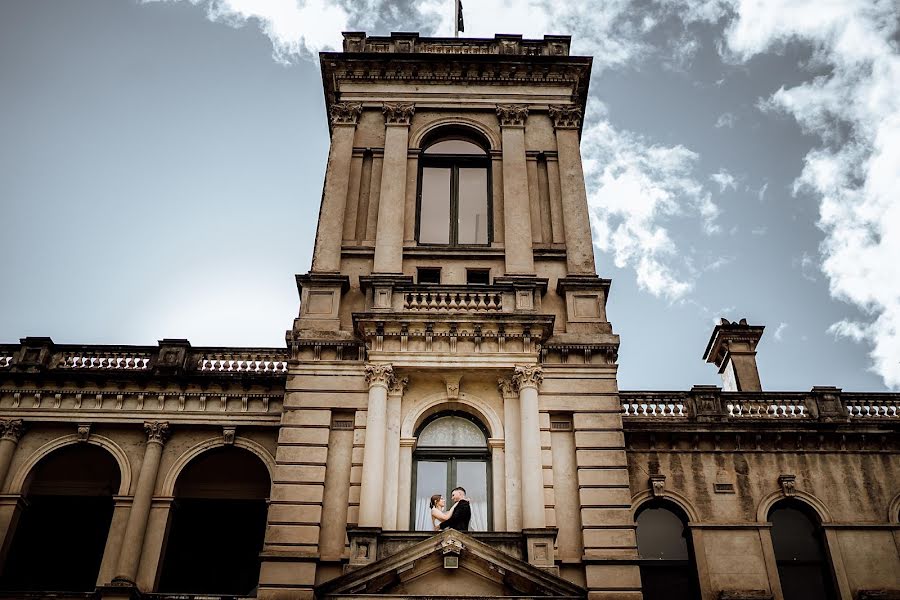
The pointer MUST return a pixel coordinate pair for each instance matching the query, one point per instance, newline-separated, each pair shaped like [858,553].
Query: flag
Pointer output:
[459,16]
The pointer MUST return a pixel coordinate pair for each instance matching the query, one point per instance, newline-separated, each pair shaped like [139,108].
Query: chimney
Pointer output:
[732,347]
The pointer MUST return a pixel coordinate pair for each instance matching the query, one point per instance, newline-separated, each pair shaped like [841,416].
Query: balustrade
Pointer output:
[654,407]
[865,406]
[768,406]
[438,300]
[5,360]
[243,363]
[128,361]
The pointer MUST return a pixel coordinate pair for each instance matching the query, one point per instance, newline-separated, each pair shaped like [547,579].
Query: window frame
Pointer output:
[656,565]
[454,162]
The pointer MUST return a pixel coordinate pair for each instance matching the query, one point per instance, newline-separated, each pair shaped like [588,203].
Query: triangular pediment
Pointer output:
[421,570]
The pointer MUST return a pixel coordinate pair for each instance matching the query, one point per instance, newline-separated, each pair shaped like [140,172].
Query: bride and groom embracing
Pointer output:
[457,517]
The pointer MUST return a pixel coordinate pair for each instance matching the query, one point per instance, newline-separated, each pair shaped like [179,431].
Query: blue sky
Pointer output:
[161,166]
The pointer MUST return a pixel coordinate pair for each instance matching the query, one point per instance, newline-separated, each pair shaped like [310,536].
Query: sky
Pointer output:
[161,165]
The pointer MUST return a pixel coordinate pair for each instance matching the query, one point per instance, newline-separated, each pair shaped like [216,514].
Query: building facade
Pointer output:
[452,332]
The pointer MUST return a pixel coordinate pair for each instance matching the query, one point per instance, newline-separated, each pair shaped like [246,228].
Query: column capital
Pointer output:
[397,386]
[345,113]
[565,117]
[512,115]
[380,374]
[528,376]
[157,432]
[398,113]
[507,387]
[496,443]
[407,442]
[12,429]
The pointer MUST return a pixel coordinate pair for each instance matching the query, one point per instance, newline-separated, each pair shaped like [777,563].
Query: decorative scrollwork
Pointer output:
[345,113]
[528,376]
[157,431]
[512,115]
[398,113]
[565,117]
[12,429]
[380,374]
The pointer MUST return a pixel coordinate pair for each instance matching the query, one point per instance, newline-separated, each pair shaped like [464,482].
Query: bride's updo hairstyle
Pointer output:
[435,499]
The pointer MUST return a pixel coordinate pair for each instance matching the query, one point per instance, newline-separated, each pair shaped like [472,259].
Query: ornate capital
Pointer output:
[345,113]
[380,374]
[157,431]
[528,376]
[398,385]
[12,430]
[398,113]
[507,387]
[512,115]
[565,117]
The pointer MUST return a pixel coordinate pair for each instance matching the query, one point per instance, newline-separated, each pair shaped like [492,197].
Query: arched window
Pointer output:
[799,545]
[61,535]
[454,206]
[217,525]
[451,451]
[667,564]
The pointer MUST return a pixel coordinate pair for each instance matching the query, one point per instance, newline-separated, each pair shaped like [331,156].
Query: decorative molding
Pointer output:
[12,430]
[157,431]
[528,376]
[788,484]
[398,113]
[345,113]
[658,485]
[565,116]
[398,386]
[380,374]
[84,432]
[228,435]
[452,382]
[512,115]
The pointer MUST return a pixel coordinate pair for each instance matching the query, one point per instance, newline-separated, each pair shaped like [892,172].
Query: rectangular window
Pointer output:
[434,227]
[478,276]
[473,206]
[428,275]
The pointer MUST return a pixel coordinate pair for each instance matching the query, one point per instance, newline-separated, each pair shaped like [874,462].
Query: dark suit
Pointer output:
[460,518]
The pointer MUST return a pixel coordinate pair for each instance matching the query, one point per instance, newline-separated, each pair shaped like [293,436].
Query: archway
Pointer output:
[668,569]
[59,541]
[217,524]
[799,543]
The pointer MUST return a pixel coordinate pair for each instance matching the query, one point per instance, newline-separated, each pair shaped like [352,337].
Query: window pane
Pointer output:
[660,535]
[473,476]
[453,432]
[431,479]
[454,147]
[473,217]
[794,536]
[434,218]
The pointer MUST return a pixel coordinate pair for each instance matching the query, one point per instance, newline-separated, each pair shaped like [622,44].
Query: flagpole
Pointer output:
[456,18]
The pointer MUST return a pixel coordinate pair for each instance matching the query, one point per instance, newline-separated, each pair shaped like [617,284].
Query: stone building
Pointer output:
[452,331]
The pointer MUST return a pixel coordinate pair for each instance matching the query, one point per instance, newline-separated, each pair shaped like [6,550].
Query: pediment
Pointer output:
[421,570]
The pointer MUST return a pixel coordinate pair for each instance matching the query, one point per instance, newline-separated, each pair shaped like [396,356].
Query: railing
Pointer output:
[6,359]
[650,406]
[436,300]
[129,361]
[771,407]
[871,405]
[243,363]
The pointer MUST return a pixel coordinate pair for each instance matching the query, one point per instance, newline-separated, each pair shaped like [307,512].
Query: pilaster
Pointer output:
[516,205]
[391,207]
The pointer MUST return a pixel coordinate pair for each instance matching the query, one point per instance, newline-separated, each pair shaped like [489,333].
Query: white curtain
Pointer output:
[479,515]
[423,514]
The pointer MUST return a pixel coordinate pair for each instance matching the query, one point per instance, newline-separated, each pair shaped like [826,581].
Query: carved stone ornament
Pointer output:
[512,115]
[398,385]
[565,117]
[398,113]
[83,432]
[658,485]
[228,434]
[451,545]
[157,431]
[12,429]
[788,484]
[528,376]
[345,113]
[380,374]
[507,387]
[452,382]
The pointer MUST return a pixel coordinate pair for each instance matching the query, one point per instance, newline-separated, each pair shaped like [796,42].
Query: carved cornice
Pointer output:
[345,113]
[12,429]
[528,376]
[512,115]
[398,113]
[157,431]
[565,116]
[380,374]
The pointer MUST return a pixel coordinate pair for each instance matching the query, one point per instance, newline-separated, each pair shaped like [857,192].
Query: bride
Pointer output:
[438,515]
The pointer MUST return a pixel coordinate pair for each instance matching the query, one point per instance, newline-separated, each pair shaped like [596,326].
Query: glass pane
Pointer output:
[454,147]
[794,536]
[431,479]
[660,535]
[473,205]
[434,216]
[473,476]
[453,432]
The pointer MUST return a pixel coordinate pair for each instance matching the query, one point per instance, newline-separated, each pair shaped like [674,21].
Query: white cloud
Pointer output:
[808,266]
[761,193]
[724,179]
[779,331]
[725,119]
[760,231]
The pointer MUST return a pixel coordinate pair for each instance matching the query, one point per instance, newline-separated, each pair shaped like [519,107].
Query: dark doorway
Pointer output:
[668,571]
[61,533]
[217,525]
[799,545]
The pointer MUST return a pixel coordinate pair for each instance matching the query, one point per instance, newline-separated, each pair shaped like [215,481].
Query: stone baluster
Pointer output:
[527,378]
[11,431]
[516,202]
[133,540]
[380,377]
[389,231]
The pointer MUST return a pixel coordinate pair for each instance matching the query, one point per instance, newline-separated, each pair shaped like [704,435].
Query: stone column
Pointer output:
[11,431]
[392,454]
[498,481]
[379,377]
[329,235]
[391,206]
[133,540]
[527,378]
[512,459]
[576,220]
[516,202]
[404,485]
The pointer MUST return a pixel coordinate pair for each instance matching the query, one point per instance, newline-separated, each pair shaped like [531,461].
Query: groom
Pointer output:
[462,513]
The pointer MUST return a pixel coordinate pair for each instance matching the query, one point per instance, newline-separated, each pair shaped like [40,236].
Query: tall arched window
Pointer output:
[60,538]
[454,207]
[217,525]
[667,564]
[451,451]
[800,552]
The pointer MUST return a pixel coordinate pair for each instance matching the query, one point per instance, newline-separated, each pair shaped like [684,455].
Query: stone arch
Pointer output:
[467,403]
[458,122]
[817,506]
[675,498]
[17,485]
[168,486]
[894,510]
